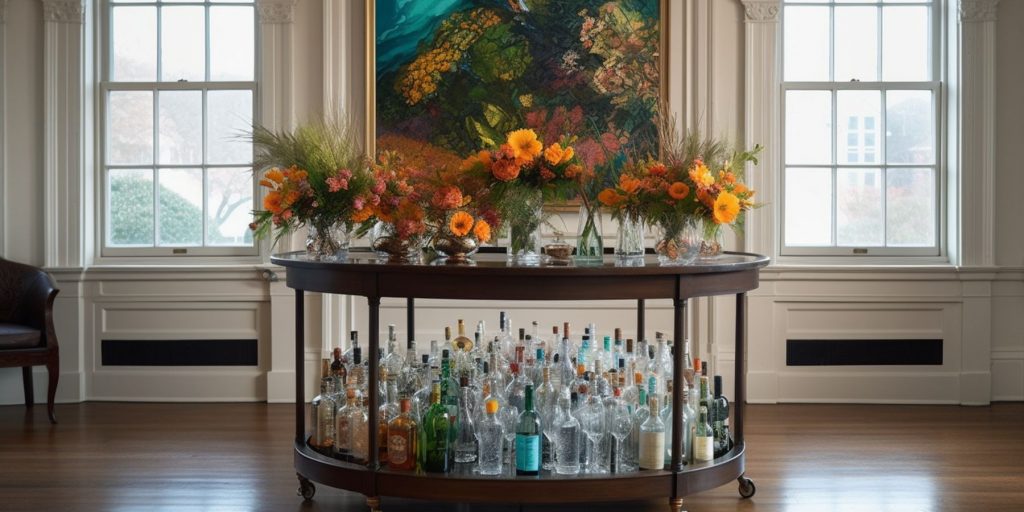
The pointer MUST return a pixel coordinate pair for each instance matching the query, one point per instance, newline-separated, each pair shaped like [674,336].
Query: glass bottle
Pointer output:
[357,374]
[387,411]
[342,429]
[359,427]
[402,439]
[720,420]
[528,435]
[462,342]
[704,399]
[465,441]
[567,439]
[437,425]
[409,376]
[338,371]
[666,418]
[652,439]
[516,391]
[324,408]
[490,434]
[539,342]
[506,343]
[704,441]
[566,372]
[547,404]
[353,342]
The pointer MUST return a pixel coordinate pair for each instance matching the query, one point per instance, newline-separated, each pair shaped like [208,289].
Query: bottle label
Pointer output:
[527,452]
[398,449]
[704,449]
[652,450]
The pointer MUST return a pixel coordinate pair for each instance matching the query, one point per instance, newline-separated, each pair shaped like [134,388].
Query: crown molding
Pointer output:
[761,11]
[63,11]
[276,11]
[974,11]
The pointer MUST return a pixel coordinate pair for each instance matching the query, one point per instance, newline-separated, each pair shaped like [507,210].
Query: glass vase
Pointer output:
[524,233]
[328,241]
[453,249]
[678,244]
[711,244]
[630,242]
[393,248]
[589,244]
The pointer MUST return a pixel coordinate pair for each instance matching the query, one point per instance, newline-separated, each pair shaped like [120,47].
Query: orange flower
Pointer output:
[482,230]
[727,177]
[362,215]
[700,175]
[525,145]
[275,175]
[481,158]
[447,197]
[705,198]
[657,169]
[266,183]
[628,184]
[505,169]
[460,223]
[678,190]
[554,153]
[727,208]
[272,203]
[741,189]
[573,171]
[609,197]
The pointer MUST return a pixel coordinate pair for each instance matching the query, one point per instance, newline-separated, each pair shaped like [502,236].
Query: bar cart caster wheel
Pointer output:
[675,504]
[306,489]
[373,503]
[747,487]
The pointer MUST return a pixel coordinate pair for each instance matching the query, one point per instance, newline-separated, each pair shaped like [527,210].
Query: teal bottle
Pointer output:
[528,438]
[437,436]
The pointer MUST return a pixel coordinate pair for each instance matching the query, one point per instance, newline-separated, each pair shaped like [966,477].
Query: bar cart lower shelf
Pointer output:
[492,278]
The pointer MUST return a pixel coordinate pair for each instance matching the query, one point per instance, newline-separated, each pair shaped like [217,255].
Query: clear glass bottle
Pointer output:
[704,442]
[490,434]
[547,404]
[528,434]
[567,439]
[386,411]
[465,441]
[338,371]
[402,439]
[516,391]
[357,373]
[342,430]
[461,341]
[409,376]
[359,427]
[437,425]
[652,439]
[506,342]
[353,342]
[324,408]
[565,370]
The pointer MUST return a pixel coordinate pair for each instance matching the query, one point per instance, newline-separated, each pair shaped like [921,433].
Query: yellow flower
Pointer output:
[526,100]
[460,223]
[482,230]
[554,154]
[700,174]
[525,145]
[727,208]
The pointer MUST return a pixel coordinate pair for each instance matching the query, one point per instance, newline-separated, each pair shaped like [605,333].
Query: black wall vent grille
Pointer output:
[863,352]
[180,352]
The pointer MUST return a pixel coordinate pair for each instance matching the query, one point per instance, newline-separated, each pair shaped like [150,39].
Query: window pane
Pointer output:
[181,127]
[809,127]
[133,41]
[806,44]
[859,208]
[130,207]
[181,207]
[856,44]
[229,117]
[229,206]
[231,43]
[905,44]
[183,44]
[858,113]
[130,127]
[910,127]
[910,207]
[808,207]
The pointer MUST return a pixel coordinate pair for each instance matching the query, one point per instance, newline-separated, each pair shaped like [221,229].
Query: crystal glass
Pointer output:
[630,241]
[393,248]
[711,240]
[589,244]
[454,250]
[328,241]
[678,244]
[592,419]
[621,426]
[524,232]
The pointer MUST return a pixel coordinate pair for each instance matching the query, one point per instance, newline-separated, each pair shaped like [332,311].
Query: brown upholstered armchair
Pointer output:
[27,337]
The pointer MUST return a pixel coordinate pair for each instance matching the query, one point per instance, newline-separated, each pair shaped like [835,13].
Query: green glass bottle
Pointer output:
[528,438]
[437,425]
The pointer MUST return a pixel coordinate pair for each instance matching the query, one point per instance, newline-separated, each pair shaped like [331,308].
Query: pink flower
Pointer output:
[345,174]
[358,203]
[336,183]
[379,187]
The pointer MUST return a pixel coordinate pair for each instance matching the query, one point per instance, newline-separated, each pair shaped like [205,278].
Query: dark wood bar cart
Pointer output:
[491,278]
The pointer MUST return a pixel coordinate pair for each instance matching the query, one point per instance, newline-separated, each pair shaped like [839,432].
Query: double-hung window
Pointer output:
[176,98]
[861,154]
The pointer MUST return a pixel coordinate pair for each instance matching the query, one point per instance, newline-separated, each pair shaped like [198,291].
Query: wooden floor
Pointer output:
[227,457]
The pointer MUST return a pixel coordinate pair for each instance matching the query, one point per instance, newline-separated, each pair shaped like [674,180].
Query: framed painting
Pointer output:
[446,78]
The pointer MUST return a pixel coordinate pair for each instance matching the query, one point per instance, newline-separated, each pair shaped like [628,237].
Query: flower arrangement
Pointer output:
[393,199]
[313,176]
[457,215]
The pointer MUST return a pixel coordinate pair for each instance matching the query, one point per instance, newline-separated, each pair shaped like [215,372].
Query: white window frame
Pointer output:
[105,86]
[835,253]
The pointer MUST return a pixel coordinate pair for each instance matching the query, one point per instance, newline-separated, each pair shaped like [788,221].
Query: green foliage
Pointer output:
[500,55]
[131,214]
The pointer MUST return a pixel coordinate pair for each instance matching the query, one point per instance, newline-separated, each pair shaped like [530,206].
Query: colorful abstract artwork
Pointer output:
[454,76]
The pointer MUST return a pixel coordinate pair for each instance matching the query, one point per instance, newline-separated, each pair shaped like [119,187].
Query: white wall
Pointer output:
[707,74]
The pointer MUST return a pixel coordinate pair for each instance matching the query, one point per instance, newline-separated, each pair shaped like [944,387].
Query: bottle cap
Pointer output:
[618,334]
[405,405]
[357,355]
[718,385]
[629,345]
[703,367]
[617,392]
[696,365]
[622,362]
[463,381]
[337,353]
[444,354]
[410,345]
[492,406]
[522,333]
[487,367]
[354,336]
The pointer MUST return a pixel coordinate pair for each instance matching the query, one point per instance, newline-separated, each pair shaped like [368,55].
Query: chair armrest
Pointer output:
[37,307]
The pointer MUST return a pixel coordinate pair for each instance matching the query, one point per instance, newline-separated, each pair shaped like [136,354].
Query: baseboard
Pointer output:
[169,385]
[69,387]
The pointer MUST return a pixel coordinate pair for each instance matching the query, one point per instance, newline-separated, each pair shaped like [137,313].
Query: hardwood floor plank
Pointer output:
[237,457]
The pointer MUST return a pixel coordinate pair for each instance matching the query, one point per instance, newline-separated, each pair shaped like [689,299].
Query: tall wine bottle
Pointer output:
[528,438]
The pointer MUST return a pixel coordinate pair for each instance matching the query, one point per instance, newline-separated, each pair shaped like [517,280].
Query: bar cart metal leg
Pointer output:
[747,488]
[679,323]
[640,314]
[374,303]
[300,369]
[410,318]
[306,488]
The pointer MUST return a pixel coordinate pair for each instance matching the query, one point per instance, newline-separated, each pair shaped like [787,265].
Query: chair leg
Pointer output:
[53,370]
[26,380]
